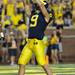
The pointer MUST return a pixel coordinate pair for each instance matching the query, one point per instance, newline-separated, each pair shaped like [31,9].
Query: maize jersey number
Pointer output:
[34,19]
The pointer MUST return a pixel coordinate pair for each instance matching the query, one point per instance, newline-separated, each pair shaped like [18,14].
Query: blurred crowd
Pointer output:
[13,12]
[14,24]
[63,11]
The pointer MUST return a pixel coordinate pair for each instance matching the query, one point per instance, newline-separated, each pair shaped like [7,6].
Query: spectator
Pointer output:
[19,7]
[54,47]
[12,47]
[68,15]
[49,50]
[3,43]
[59,22]
[10,8]
[60,49]
[12,44]
[12,50]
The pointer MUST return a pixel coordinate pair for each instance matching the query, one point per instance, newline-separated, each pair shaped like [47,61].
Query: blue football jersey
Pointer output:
[37,25]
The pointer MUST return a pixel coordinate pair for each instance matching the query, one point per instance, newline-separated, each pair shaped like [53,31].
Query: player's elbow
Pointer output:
[47,19]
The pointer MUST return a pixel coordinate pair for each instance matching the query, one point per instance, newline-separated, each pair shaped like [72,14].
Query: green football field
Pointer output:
[59,69]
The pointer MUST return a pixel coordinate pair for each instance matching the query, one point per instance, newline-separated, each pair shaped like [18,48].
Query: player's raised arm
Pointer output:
[43,10]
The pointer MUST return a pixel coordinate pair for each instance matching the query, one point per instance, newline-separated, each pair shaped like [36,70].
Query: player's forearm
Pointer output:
[43,10]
